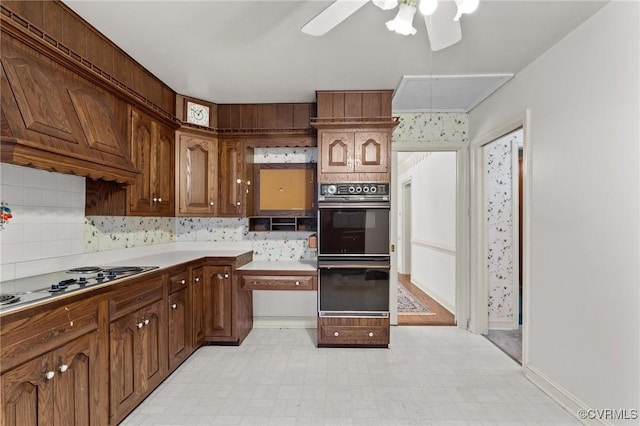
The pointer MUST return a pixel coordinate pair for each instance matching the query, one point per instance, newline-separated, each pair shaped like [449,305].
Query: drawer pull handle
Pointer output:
[174,306]
[63,368]
[336,334]
[371,334]
[49,375]
[140,325]
[297,282]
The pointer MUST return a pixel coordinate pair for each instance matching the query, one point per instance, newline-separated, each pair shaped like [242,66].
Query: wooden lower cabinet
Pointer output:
[197,306]
[340,331]
[61,387]
[217,296]
[179,324]
[138,345]
[278,282]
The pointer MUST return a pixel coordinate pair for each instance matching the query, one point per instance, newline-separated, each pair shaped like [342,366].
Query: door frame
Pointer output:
[462,223]
[405,209]
[479,308]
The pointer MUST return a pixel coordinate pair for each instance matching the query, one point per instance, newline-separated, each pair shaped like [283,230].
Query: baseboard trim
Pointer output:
[285,322]
[434,296]
[560,395]
[501,324]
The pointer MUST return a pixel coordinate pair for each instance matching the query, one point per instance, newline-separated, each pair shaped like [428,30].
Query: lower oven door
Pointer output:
[350,287]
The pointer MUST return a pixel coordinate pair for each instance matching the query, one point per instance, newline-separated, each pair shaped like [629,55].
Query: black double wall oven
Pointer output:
[353,250]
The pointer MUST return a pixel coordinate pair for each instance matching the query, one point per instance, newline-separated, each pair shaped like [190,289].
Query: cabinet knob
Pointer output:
[182,282]
[371,334]
[226,275]
[63,368]
[49,375]
[174,306]
[140,325]
[146,322]
[248,182]
[159,200]
[238,203]
[197,279]
[297,282]
[211,203]
[238,181]
[336,334]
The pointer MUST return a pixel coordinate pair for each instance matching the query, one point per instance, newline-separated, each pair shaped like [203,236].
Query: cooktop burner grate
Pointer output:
[85,270]
[6,299]
[123,270]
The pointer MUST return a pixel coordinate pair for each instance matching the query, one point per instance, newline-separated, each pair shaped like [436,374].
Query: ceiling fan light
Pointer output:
[465,6]
[427,7]
[403,22]
[386,4]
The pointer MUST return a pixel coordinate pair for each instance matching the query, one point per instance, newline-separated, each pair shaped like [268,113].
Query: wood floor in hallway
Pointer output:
[441,317]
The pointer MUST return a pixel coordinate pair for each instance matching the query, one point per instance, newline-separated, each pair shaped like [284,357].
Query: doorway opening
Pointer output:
[502,209]
[426,188]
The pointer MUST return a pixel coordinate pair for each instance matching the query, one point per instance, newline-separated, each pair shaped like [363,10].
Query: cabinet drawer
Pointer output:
[47,329]
[134,295]
[278,282]
[353,331]
[178,282]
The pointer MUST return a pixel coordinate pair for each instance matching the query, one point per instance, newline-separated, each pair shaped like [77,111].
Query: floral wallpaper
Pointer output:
[499,226]
[432,127]
[118,232]
[108,233]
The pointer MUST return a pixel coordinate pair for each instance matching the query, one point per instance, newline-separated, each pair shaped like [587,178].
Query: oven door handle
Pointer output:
[355,205]
[349,265]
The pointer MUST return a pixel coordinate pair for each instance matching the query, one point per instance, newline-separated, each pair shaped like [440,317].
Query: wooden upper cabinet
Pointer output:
[235,172]
[348,152]
[197,174]
[354,104]
[152,153]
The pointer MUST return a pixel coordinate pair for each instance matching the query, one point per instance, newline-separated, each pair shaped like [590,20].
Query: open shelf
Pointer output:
[283,223]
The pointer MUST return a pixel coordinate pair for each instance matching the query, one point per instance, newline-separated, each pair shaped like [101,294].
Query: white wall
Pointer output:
[433,224]
[583,96]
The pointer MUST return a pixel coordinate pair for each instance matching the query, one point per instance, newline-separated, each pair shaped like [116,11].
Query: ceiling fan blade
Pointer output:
[337,12]
[443,31]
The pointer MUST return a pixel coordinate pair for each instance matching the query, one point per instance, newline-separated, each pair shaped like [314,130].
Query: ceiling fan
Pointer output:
[441,18]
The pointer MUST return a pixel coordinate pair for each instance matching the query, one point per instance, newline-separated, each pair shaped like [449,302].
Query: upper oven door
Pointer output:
[353,231]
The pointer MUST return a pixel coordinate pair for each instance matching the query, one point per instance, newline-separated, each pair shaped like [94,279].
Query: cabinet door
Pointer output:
[124,367]
[371,152]
[217,296]
[198,306]
[27,395]
[141,193]
[163,175]
[80,383]
[231,178]
[152,346]
[197,162]
[336,152]
[179,328]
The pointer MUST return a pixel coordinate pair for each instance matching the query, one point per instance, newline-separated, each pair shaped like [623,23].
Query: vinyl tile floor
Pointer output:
[428,376]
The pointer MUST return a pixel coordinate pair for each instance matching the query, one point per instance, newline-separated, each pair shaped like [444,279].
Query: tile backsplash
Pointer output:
[48,214]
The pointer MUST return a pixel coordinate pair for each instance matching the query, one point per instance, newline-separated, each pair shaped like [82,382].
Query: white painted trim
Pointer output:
[501,324]
[478,282]
[435,296]
[527,160]
[406,237]
[436,246]
[393,240]
[560,395]
[461,311]
[285,322]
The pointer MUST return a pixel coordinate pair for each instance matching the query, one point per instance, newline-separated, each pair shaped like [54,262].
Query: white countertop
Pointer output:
[172,258]
[280,265]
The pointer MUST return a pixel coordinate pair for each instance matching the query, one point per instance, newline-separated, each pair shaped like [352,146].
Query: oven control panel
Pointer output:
[339,190]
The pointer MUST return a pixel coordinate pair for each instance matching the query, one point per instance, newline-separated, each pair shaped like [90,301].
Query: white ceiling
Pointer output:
[253,51]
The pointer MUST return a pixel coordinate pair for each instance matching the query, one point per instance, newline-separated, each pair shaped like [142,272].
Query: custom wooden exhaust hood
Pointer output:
[54,120]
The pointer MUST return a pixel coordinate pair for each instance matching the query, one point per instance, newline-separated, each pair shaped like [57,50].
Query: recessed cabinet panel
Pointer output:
[197,175]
